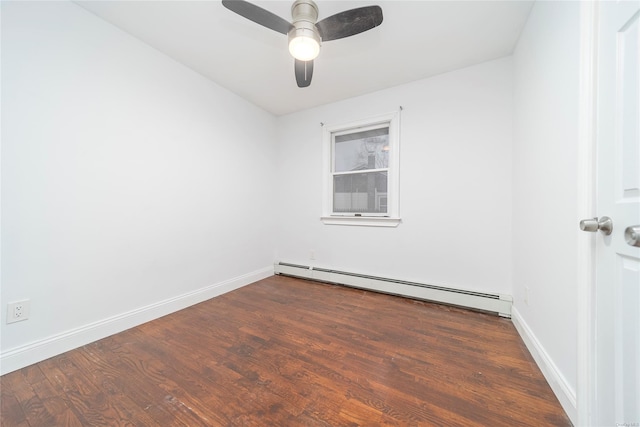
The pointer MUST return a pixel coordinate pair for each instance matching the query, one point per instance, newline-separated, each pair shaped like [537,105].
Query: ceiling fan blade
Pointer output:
[304,72]
[258,15]
[349,22]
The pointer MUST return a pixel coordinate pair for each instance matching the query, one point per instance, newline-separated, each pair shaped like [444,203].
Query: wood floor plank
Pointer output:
[12,413]
[290,352]
[232,378]
[96,368]
[148,379]
[35,411]
[56,410]
[92,402]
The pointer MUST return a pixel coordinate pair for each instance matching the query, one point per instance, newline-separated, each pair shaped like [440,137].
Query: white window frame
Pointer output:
[392,218]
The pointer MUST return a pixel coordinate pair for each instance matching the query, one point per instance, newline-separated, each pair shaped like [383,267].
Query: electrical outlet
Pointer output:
[312,254]
[526,295]
[18,311]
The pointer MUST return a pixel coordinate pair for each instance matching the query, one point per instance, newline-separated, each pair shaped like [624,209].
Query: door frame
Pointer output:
[586,195]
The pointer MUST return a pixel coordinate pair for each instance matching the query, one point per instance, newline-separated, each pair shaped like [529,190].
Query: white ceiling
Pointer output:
[417,39]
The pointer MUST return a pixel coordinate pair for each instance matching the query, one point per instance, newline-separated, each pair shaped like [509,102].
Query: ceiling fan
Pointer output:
[305,34]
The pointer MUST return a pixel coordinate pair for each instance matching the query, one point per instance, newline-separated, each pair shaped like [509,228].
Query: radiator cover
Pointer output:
[496,303]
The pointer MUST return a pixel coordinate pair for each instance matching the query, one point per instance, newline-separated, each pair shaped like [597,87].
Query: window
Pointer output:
[361,172]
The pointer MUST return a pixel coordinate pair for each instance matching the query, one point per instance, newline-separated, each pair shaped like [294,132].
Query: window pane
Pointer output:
[360,193]
[362,150]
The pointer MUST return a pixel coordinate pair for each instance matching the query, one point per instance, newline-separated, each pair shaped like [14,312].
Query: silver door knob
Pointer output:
[604,224]
[632,235]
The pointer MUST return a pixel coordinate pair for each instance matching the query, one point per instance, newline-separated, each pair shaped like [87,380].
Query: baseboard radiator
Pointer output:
[499,304]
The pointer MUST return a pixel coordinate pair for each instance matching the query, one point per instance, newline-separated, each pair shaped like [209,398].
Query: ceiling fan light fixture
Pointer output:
[304,42]
[305,33]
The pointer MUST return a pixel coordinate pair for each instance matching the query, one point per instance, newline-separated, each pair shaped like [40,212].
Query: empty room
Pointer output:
[320,213]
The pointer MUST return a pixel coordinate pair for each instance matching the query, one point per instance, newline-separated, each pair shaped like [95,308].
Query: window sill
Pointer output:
[365,221]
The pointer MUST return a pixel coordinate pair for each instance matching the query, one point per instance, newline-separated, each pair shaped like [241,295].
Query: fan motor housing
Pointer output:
[304,29]
[304,10]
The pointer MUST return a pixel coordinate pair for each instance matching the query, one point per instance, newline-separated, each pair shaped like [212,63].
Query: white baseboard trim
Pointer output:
[19,357]
[563,391]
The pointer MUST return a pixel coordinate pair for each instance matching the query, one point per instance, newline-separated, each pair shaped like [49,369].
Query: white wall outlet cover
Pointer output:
[18,311]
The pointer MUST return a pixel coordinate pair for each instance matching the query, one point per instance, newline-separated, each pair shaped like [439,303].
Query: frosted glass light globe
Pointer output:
[304,48]
[304,41]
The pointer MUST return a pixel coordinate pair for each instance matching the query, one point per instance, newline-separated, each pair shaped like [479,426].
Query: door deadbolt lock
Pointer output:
[604,224]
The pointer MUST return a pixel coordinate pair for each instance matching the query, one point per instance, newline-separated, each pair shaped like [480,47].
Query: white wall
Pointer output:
[128,180]
[455,197]
[545,224]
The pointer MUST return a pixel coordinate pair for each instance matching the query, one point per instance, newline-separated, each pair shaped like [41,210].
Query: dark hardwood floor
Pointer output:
[288,352]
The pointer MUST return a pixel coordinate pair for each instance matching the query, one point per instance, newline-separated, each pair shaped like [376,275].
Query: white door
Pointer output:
[617,293]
